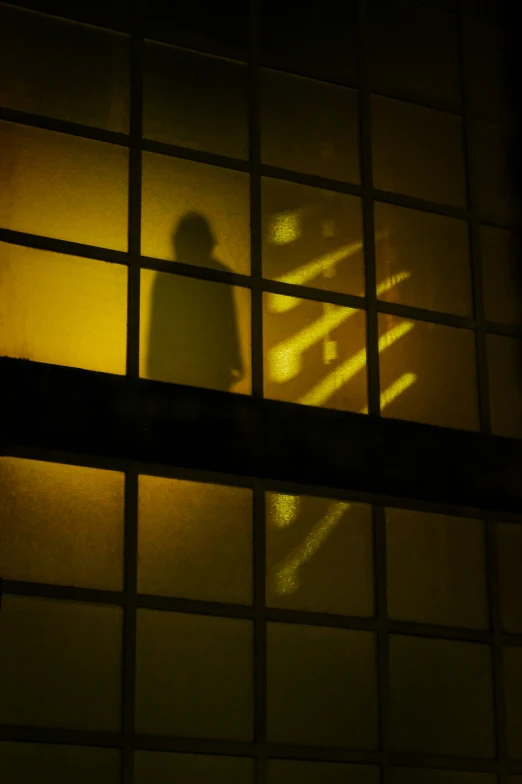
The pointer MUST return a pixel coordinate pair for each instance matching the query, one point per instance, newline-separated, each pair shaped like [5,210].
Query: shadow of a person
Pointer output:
[193,330]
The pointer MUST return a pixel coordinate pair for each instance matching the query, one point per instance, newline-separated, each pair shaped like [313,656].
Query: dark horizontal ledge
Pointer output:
[77,411]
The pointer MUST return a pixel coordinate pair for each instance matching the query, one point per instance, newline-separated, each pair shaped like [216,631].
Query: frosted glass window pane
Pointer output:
[319,555]
[194,676]
[285,771]
[61,524]
[492,145]
[428,372]
[39,762]
[314,353]
[422,260]
[195,332]
[502,275]
[63,187]
[195,540]
[312,237]
[64,310]
[414,51]
[414,776]
[309,126]
[155,767]
[60,664]
[65,70]
[505,385]
[436,569]
[322,686]
[418,152]
[441,697]
[513,697]
[195,101]
[195,214]
[509,544]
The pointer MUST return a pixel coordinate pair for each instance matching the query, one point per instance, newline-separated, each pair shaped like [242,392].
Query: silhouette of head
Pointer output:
[193,239]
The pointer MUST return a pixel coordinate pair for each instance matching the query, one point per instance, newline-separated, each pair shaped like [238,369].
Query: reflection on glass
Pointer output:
[194,676]
[429,373]
[502,275]
[60,664]
[174,188]
[195,101]
[430,252]
[21,762]
[418,152]
[509,545]
[493,149]
[314,353]
[62,186]
[319,555]
[63,69]
[436,569]
[298,772]
[505,385]
[309,126]
[322,686]
[61,309]
[426,776]
[513,695]
[61,524]
[153,766]
[312,237]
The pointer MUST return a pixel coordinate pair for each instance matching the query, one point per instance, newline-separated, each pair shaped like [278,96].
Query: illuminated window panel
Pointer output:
[505,385]
[195,214]
[319,555]
[509,546]
[194,676]
[42,762]
[502,275]
[314,353]
[60,664]
[436,569]
[513,696]
[309,126]
[63,187]
[322,686]
[61,309]
[62,69]
[297,772]
[312,237]
[418,152]
[428,373]
[414,51]
[415,775]
[61,524]
[195,540]
[195,768]
[195,100]
[422,260]
[195,332]
[491,149]
[441,697]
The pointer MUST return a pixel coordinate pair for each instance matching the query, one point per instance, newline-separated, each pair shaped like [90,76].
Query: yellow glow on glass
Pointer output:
[283,509]
[392,281]
[285,228]
[394,390]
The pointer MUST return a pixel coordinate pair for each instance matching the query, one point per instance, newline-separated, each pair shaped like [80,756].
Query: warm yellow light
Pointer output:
[394,390]
[392,281]
[283,509]
[285,228]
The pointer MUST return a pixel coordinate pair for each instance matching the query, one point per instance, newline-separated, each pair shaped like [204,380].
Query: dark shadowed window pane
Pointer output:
[153,766]
[286,771]
[490,77]
[426,776]
[513,696]
[502,275]
[494,152]
[111,13]
[40,762]
[509,546]
[505,385]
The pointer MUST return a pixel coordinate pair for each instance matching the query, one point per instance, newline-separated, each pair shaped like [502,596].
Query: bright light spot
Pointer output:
[285,228]
[394,390]
[330,351]
[283,509]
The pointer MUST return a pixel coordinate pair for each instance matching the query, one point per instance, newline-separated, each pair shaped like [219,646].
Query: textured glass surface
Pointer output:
[314,353]
[195,101]
[428,372]
[62,69]
[502,275]
[441,697]
[422,260]
[23,763]
[513,697]
[309,126]
[414,51]
[319,554]
[436,569]
[195,540]
[509,544]
[195,332]
[505,385]
[194,676]
[286,771]
[493,147]
[195,214]
[61,524]
[418,152]
[415,776]
[322,686]
[155,767]
[312,237]
[61,309]
[62,186]
[60,664]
